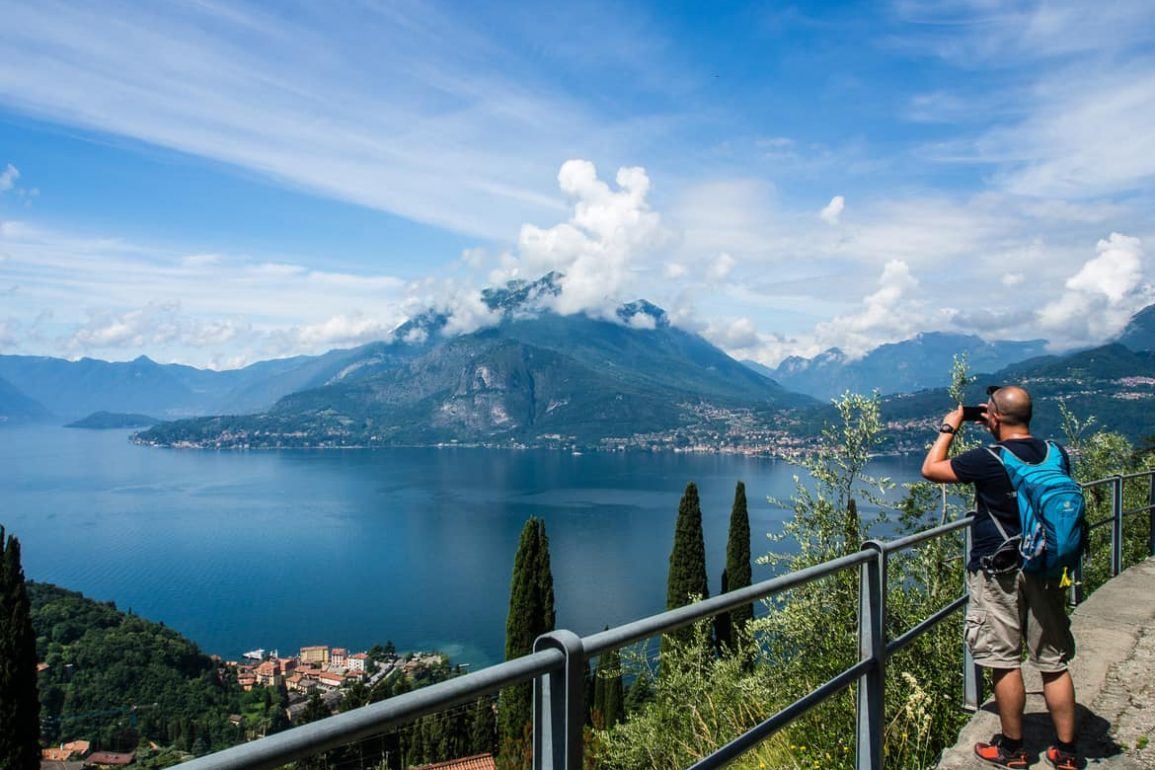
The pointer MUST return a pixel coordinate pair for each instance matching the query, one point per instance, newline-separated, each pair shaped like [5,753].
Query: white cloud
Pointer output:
[720,268]
[122,298]
[1011,279]
[201,260]
[474,257]
[8,177]
[598,248]
[642,321]
[467,312]
[154,324]
[738,334]
[831,214]
[342,330]
[890,313]
[674,270]
[1100,298]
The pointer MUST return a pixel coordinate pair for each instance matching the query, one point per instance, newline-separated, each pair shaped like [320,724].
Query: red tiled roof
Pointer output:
[477,762]
[111,758]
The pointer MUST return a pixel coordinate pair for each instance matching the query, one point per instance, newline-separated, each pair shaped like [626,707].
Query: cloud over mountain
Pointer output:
[597,248]
[1102,296]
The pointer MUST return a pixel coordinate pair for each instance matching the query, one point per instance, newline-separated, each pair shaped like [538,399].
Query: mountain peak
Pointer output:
[634,314]
[1139,334]
[520,294]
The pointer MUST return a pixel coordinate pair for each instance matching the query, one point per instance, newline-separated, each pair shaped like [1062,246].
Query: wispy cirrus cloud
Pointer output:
[401,107]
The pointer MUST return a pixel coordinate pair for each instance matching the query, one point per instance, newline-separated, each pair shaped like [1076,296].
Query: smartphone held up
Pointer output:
[974,413]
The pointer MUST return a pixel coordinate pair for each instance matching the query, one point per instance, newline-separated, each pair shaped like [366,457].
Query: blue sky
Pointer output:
[219,182]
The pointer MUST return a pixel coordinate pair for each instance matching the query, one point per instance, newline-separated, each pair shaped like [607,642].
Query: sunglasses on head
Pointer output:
[992,389]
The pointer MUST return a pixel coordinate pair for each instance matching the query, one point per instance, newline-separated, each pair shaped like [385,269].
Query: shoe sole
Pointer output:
[993,763]
[1075,766]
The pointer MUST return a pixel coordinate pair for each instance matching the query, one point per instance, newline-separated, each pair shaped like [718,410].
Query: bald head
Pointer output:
[1013,405]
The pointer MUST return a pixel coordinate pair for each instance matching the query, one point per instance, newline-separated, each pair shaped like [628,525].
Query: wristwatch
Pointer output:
[946,428]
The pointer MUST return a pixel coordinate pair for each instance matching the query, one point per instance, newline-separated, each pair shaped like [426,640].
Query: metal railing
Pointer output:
[1118,515]
[557,665]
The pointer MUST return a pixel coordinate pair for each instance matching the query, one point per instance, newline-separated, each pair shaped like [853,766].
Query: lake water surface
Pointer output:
[279,549]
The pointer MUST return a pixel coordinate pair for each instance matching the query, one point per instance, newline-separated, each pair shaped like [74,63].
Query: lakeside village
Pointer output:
[316,670]
[327,671]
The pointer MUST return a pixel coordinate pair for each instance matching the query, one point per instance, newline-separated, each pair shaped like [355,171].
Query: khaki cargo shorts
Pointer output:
[1006,610]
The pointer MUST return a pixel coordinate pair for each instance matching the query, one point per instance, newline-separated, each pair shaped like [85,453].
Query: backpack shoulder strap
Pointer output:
[1063,460]
[995,453]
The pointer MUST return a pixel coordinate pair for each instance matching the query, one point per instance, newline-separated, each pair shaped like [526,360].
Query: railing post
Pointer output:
[1117,526]
[872,647]
[972,674]
[1151,513]
[558,705]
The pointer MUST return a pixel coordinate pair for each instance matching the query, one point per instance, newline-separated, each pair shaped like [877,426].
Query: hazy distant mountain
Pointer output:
[18,408]
[532,378]
[73,389]
[900,367]
[1139,333]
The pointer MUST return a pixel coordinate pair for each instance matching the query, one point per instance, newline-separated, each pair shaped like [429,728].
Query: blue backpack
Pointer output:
[1052,512]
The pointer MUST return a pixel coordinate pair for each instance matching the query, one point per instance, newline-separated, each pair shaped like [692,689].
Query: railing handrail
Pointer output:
[545,665]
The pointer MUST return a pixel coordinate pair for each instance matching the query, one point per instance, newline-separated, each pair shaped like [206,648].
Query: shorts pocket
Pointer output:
[973,627]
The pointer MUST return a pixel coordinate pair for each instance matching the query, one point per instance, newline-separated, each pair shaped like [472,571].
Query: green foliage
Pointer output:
[531,614]
[19,707]
[117,679]
[700,702]
[1096,456]
[686,579]
[810,634]
[737,573]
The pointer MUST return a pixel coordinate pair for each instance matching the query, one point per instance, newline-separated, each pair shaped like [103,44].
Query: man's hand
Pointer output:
[936,466]
[954,418]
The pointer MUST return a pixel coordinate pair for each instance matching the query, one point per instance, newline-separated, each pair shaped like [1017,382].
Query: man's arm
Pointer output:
[936,466]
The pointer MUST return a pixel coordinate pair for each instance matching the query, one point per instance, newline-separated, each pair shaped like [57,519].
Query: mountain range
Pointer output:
[536,377]
[901,367]
[539,378]
[1113,383]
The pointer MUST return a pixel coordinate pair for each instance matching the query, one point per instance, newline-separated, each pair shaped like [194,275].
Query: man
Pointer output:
[1007,606]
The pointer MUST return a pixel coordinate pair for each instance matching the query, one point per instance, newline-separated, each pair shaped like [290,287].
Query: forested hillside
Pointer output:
[115,678]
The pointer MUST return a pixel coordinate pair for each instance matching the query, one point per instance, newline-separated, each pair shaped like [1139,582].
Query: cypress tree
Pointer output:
[612,704]
[598,704]
[531,614]
[483,729]
[687,574]
[737,573]
[19,703]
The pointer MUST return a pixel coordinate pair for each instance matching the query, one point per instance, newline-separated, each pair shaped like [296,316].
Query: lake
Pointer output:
[279,549]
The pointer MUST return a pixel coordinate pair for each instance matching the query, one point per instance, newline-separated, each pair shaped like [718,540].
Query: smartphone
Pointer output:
[974,413]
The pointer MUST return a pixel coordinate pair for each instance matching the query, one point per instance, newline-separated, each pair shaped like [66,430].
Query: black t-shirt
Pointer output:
[994,493]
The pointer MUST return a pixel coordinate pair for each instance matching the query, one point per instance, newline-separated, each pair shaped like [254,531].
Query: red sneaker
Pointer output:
[1061,760]
[995,753]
